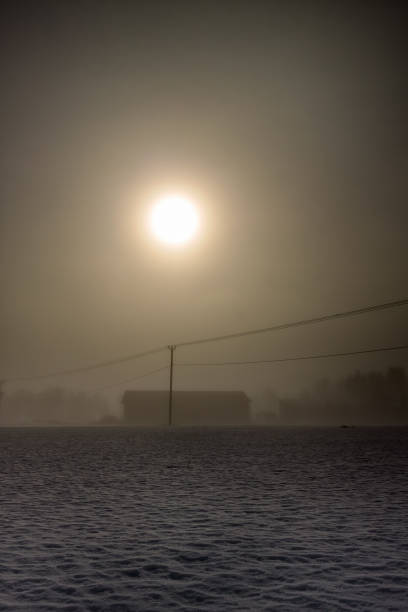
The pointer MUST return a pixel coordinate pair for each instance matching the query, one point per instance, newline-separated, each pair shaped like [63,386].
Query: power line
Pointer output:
[95,366]
[133,379]
[337,315]
[273,328]
[299,358]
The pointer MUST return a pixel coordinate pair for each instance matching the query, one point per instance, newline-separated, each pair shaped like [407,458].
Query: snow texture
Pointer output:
[204,519]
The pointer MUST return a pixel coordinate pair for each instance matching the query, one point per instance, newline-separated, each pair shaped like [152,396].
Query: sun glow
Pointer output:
[174,220]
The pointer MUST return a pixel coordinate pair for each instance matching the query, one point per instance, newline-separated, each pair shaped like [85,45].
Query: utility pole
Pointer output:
[172,348]
[1,397]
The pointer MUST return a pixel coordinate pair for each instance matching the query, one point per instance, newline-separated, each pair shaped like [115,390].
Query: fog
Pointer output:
[372,398]
[51,407]
[285,122]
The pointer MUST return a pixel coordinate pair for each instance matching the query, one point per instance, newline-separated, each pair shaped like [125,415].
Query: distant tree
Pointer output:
[52,406]
[373,398]
[397,385]
[266,406]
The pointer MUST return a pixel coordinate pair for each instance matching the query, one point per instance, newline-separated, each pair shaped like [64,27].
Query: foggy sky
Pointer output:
[285,121]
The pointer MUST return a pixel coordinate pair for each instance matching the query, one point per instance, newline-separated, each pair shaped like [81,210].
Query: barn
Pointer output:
[189,408]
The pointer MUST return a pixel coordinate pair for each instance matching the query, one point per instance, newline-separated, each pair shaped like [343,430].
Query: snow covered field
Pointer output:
[204,519]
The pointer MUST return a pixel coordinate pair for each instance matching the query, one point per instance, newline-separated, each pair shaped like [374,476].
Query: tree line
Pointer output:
[371,398]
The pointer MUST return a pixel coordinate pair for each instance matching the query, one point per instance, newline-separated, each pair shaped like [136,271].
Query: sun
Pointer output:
[174,219]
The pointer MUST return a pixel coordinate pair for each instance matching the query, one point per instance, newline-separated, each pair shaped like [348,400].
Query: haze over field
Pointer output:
[203,233]
[284,122]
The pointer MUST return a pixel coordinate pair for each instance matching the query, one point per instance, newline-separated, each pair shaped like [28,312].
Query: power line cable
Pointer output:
[299,358]
[337,315]
[95,366]
[273,328]
[133,379]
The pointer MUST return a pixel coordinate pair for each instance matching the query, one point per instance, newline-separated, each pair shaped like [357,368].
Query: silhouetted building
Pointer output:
[189,408]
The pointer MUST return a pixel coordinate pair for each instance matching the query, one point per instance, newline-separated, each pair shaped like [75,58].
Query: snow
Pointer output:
[203,519]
